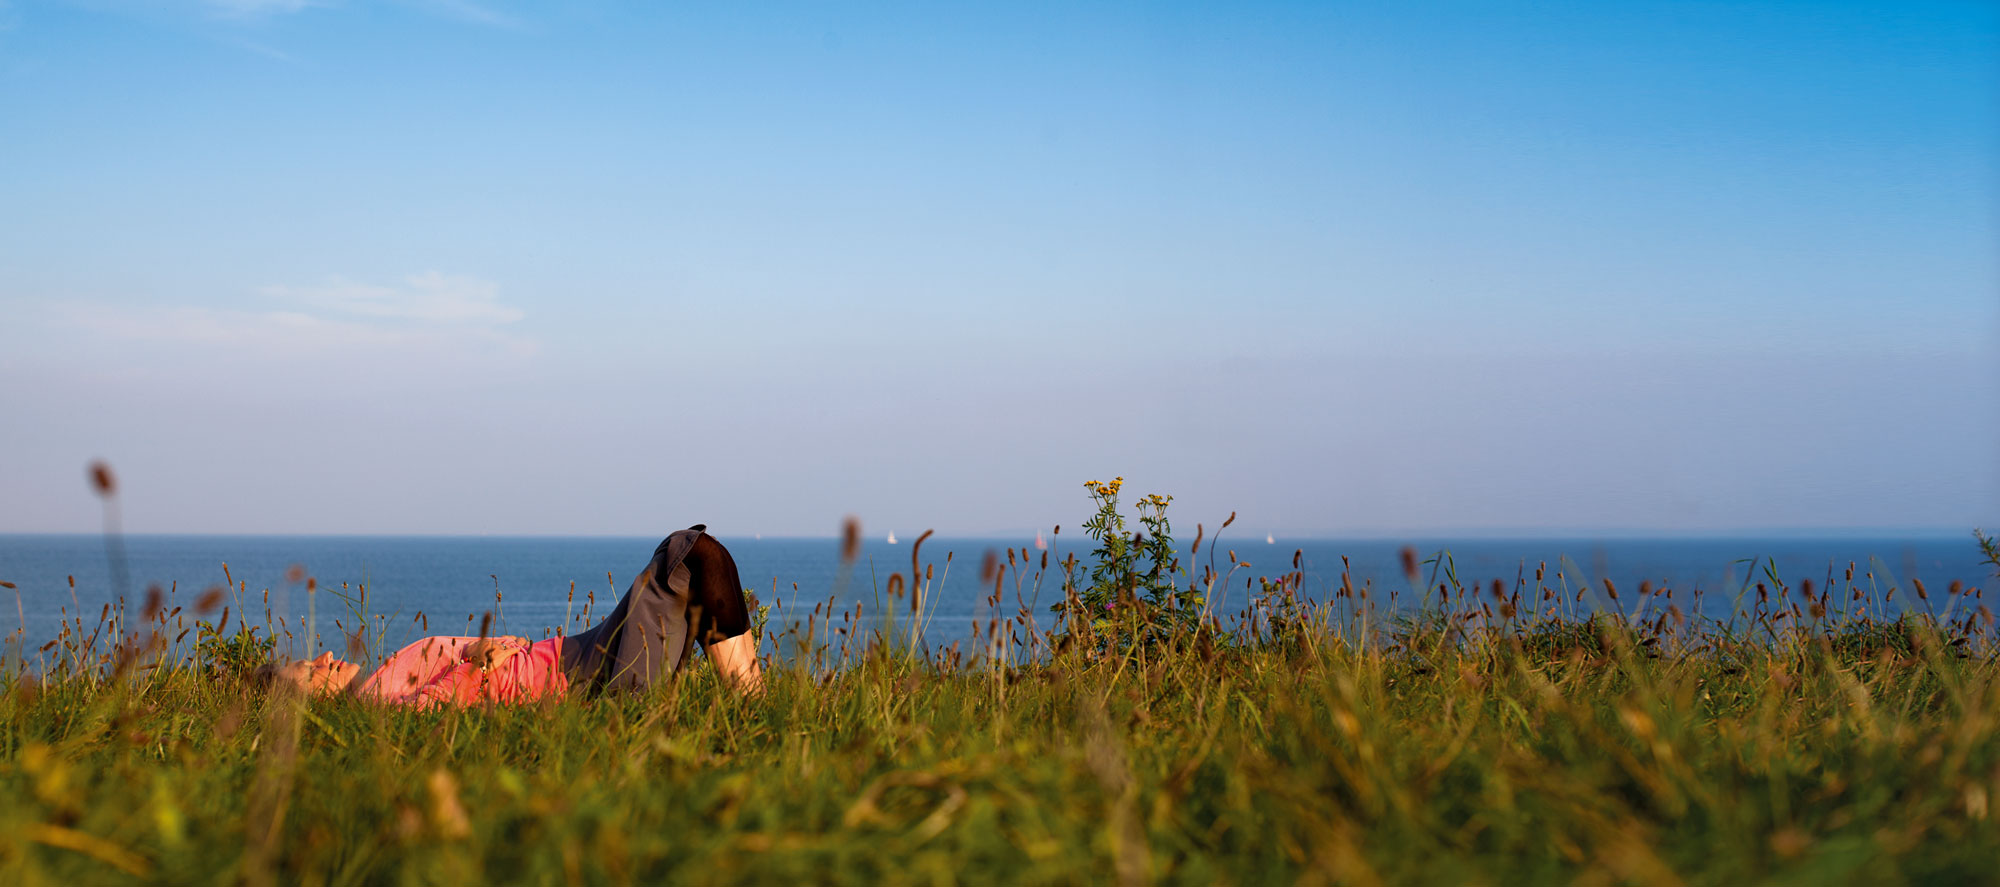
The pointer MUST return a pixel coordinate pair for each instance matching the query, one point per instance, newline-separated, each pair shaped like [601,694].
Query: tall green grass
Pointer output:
[1467,735]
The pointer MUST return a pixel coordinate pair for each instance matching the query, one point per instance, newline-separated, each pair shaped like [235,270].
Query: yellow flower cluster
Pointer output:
[1156,500]
[1100,488]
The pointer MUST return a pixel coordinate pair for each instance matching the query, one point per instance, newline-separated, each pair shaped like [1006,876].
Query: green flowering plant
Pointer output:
[1989,547]
[760,613]
[1134,577]
[236,653]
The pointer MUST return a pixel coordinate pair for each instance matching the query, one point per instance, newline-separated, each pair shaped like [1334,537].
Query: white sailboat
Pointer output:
[1041,544]
[892,537]
[1268,540]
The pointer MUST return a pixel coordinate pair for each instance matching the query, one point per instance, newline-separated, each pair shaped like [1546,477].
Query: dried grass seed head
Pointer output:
[102,480]
[850,539]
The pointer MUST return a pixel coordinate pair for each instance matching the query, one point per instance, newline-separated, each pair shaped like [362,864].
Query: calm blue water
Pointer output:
[451,580]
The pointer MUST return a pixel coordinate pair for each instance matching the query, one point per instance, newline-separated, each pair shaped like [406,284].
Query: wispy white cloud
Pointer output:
[259,8]
[429,317]
[468,11]
[269,52]
[250,11]
[288,332]
[431,297]
[473,13]
[246,11]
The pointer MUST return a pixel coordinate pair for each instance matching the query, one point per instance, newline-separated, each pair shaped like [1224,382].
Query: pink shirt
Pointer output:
[434,671]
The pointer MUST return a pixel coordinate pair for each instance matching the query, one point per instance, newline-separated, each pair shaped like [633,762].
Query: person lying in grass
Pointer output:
[690,593]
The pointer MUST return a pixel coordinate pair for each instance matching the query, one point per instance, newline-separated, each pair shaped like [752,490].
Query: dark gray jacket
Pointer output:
[648,635]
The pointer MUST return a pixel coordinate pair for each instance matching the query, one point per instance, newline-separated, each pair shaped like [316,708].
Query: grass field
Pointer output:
[1494,737]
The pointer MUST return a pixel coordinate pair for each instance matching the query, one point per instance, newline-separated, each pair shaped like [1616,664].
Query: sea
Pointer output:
[535,586]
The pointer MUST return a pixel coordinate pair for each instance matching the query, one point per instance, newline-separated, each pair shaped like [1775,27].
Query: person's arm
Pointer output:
[721,616]
[409,669]
[487,654]
[736,660]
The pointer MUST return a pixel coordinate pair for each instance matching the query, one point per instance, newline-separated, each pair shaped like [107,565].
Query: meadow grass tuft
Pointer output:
[1571,751]
[1544,731]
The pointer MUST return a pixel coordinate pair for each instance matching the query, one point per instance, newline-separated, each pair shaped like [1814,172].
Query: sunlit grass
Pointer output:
[1439,732]
[1451,746]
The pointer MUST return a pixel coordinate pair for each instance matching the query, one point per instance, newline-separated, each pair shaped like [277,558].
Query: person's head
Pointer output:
[319,675]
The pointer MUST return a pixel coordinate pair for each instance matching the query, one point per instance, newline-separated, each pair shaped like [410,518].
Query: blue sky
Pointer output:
[457,267]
